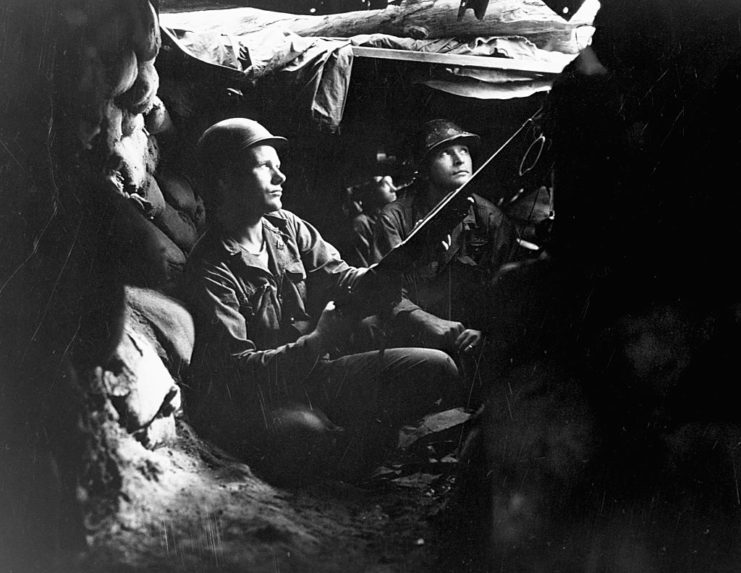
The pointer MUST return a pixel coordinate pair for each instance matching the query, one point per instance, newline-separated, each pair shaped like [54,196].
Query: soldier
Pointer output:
[367,200]
[444,298]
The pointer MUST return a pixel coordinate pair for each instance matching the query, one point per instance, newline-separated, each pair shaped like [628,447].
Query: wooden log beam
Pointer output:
[531,19]
[550,69]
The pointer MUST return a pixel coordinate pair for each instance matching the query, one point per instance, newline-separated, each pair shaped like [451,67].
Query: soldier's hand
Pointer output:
[468,340]
[332,328]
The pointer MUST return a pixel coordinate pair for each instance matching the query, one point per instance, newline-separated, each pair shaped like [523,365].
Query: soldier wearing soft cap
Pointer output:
[446,300]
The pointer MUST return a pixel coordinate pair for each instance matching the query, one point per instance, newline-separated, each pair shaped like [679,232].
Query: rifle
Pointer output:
[364,299]
[441,219]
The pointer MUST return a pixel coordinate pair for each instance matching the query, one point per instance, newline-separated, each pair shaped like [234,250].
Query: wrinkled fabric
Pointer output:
[249,318]
[315,71]
[213,48]
[448,283]
[320,78]
[271,50]
[486,90]
[361,247]
[318,70]
[251,367]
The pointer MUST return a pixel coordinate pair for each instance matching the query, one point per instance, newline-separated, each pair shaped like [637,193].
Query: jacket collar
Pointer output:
[421,206]
[275,231]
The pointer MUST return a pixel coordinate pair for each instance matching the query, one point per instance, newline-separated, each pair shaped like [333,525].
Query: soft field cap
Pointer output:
[224,140]
[439,132]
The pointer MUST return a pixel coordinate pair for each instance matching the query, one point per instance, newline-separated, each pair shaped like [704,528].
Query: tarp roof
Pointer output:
[493,67]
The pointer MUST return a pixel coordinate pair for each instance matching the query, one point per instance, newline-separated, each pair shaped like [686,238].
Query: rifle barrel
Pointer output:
[394,259]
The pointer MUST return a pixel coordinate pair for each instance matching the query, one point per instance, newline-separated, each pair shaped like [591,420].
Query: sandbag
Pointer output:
[130,156]
[180,194]
[140,98]
[165,322]
[137,381]
[131,122]
[152,158]
[146,31]
[121,71]
[146,256]
[149,199]
[158,120]
[113,125]
[100,82]
[178,226]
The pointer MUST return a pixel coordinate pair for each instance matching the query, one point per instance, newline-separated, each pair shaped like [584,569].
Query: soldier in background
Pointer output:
[362,205]
[445,302]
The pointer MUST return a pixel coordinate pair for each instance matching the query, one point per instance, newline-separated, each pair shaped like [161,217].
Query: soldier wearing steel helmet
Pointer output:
[267,379]
[444,302]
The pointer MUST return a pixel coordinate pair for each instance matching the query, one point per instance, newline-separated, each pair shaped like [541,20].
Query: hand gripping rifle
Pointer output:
[371,294]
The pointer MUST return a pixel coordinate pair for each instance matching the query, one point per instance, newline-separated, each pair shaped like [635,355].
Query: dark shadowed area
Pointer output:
[610,440]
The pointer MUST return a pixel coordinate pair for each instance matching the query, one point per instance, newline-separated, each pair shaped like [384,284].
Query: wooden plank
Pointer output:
[462,60]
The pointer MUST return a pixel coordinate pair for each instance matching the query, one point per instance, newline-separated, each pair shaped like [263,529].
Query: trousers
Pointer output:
[344,417]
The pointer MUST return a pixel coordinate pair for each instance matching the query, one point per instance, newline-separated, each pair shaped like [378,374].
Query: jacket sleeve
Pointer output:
[388,231]
[328,276]
[361,247]
[387,235]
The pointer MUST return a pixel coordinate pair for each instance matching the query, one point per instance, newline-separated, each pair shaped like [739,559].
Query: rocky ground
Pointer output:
[190,507]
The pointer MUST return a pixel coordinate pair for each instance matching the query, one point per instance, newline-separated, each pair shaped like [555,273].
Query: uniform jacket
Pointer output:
[249,318]
[483,241]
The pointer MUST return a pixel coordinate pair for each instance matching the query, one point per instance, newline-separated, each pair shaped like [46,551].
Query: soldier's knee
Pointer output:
[440,364]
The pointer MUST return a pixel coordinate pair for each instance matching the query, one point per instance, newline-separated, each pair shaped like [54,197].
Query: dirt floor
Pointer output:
[189,507]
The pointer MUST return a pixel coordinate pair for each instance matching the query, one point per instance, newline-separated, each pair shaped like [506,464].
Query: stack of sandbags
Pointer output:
[112,78]
[119,118]
[154,238]
[184,216]
[151,219]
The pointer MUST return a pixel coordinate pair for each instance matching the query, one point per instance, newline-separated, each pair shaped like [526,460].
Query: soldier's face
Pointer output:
[254,184]
[385,191]
[450,166]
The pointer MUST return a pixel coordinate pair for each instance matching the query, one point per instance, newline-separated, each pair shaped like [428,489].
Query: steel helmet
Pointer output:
[439,132]
[223,141]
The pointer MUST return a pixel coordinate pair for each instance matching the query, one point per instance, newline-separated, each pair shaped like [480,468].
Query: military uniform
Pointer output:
[250,360]
[450,284]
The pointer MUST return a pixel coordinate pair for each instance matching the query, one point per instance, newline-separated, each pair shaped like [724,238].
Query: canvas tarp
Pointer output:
[318,70]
